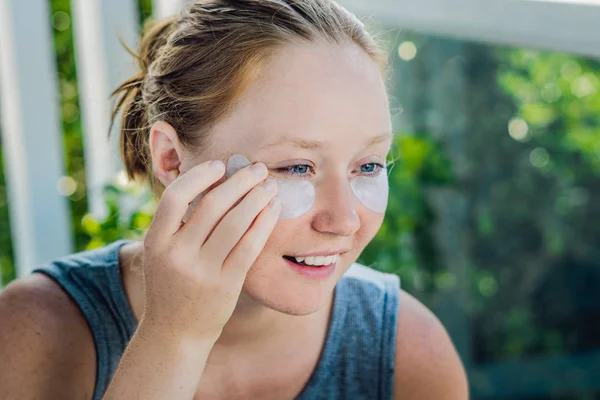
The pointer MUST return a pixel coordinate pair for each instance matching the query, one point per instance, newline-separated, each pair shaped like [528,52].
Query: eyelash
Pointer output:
[286,170]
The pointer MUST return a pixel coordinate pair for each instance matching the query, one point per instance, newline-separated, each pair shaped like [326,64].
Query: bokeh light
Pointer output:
[407,50]
[66,186]
[518,129]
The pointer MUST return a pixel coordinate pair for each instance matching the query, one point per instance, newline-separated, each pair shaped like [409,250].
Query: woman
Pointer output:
[219,300]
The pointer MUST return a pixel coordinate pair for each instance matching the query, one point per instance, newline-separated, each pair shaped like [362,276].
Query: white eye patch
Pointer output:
[372,191]
[296,196]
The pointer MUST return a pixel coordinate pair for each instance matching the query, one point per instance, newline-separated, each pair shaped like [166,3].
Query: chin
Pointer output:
[272,283]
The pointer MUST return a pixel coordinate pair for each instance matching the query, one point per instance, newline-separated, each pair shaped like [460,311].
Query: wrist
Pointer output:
[168,339]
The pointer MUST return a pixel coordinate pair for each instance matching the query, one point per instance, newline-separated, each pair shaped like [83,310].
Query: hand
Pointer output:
[194,272]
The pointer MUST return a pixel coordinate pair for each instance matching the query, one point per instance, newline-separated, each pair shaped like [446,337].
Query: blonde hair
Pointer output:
[194,66]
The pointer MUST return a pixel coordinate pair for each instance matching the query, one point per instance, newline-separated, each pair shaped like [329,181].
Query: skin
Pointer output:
[332,94]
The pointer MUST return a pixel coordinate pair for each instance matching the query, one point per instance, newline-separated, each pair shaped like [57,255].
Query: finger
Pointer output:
[215,204]
[247,250]
[236,222]
[180,193]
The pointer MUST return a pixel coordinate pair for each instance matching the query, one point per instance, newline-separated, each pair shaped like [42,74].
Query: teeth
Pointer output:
[318,260]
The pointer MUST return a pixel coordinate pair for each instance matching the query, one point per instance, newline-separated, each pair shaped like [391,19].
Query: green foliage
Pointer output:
[61,18]
[7,271]
[558,96]
[556,127]
[145,10]
[130,210]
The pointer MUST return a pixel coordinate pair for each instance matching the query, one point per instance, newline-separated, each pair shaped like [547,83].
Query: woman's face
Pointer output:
[317,112]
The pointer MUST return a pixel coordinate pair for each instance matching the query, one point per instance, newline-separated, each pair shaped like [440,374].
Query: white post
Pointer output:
[102,64]
[31,133]
[165,8]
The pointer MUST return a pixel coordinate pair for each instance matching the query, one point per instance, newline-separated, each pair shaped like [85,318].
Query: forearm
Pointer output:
[157,367]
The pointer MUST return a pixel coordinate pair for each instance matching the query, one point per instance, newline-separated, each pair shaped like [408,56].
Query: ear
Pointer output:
[166,151]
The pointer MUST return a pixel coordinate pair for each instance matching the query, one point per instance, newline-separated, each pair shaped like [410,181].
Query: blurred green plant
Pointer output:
[130,209]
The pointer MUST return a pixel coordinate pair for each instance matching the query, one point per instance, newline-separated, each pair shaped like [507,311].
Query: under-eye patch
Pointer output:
[372,191]
[296,196]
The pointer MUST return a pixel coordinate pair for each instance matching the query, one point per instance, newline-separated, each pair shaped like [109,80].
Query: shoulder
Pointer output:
[427,365]
[45,344]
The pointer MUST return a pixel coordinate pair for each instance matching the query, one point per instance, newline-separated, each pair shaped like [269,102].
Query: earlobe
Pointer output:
[165,150]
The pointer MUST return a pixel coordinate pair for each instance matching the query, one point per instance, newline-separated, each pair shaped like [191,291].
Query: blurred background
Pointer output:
[494,211]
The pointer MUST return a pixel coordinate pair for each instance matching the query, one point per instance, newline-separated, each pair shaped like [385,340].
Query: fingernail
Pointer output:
[259,169]
[270,186]
[217,164]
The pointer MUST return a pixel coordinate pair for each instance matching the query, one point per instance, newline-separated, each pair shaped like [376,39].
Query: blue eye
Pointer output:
[298,170]
[373,169]
[303,170]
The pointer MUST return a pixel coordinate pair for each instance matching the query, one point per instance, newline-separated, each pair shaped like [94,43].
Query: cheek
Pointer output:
[287,236]
[370,224]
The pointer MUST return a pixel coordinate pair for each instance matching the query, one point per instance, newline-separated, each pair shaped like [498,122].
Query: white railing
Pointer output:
[31,131]
[31,134]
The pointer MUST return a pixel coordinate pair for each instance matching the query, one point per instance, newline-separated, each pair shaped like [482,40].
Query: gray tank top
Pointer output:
[357,361]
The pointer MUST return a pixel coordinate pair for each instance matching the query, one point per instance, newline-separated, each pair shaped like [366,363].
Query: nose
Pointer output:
[336,209]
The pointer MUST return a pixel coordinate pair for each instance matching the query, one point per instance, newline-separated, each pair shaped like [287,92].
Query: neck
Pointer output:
[252,324]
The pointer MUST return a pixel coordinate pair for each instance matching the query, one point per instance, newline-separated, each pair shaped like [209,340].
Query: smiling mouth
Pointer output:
[311,261]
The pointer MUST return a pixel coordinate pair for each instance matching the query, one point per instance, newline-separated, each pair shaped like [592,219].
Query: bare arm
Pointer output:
[46,348]
[159,367]
[427,365]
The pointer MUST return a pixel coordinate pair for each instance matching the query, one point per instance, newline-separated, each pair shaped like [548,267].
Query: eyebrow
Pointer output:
[315,144]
